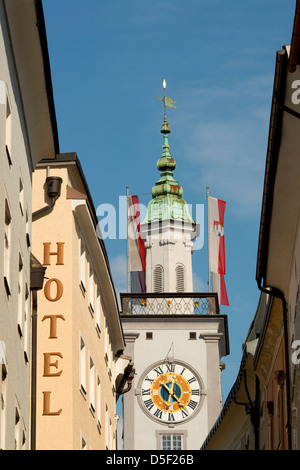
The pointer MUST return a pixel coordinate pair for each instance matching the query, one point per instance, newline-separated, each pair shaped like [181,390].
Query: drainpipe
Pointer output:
[252,409]
[127,377]
[37,274]
[280,295]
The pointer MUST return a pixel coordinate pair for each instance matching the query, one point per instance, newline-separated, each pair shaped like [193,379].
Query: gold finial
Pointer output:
[168,102]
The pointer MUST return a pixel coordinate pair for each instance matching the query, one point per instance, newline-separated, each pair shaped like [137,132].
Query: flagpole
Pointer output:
[208,244]
[128,276]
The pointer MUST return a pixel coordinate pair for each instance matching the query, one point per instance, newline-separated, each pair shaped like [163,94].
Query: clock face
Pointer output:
[170,392]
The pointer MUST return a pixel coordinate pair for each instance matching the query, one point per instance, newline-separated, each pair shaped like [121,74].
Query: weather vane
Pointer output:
[168,102]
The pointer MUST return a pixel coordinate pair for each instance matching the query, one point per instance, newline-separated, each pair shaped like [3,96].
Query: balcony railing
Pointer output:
[170,304]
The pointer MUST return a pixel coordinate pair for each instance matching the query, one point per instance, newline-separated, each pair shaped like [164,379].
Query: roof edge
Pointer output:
[274,140]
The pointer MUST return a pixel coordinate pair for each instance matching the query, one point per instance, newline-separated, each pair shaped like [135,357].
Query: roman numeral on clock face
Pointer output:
[158,413]
[193,379]
[149,404]
[158,370]
[170,367]
[149,380]
[184,413]
[192,404]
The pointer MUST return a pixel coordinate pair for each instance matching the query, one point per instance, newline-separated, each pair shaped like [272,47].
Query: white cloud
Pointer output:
[225,142]
[228,159]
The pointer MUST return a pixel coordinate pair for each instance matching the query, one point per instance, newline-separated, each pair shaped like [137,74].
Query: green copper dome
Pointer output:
[167,194]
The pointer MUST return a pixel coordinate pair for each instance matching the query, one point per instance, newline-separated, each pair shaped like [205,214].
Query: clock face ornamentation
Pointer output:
[170,392]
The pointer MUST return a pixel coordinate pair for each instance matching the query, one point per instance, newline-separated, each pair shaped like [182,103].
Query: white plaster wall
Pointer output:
[172,339]
[17,393]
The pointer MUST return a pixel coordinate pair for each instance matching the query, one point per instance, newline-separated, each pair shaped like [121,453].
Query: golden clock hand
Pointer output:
[168,390]
[172,394]
[180,402]
[171,390]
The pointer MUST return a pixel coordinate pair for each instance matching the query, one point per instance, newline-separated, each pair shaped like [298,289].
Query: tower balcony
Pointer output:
[168,303]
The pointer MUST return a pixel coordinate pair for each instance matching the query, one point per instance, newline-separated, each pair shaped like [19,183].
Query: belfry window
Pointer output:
[158,279]
[180,281]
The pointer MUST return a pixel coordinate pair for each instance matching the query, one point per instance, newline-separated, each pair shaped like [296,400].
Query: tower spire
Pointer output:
[167,195]
[166,164]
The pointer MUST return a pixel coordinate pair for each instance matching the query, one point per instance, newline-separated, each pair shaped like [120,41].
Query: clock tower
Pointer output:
[175,336]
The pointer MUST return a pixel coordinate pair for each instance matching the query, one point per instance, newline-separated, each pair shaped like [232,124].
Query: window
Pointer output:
[98,311]
[7,247]
[158,279]
[171,442]
[92,385]
[27,230]
[17,429]
[106,350]
[23,437]
[26,321]
[3,393]
[149,335]
[21,297]
[82,267]
[110,433]
[98,402]
[83,442]
[91,290]
[21,196]
[193,335]
[106,427]
[8,130]
[8,156]
[82,365]
[179,271]
[278,421]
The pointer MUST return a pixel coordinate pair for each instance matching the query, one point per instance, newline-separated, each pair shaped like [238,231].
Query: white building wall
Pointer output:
[15,214]
[171,339]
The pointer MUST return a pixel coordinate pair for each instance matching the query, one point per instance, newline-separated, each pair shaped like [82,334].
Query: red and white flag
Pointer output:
[216,256]
[136,246]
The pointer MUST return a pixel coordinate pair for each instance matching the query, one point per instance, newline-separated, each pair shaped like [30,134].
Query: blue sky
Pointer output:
[108,61]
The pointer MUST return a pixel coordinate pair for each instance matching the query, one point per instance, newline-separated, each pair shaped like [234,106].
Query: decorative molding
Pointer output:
[131,337]
[211,337]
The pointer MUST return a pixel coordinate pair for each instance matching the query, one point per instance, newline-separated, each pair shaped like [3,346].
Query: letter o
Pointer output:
[59,290]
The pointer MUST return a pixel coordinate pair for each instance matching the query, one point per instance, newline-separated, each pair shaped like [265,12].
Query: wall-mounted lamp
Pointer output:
[53,188]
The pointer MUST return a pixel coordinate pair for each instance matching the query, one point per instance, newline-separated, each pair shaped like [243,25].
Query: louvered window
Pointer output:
[158,279]
[179,278]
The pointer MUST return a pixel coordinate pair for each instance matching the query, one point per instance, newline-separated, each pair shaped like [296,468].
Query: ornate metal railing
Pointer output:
[170,303]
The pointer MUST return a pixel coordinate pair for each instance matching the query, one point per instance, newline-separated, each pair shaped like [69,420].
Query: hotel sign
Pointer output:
[53,292]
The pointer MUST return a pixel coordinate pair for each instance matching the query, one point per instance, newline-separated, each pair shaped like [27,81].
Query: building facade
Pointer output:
[27,134]
[80,361]
[255,413]
[271,351]
[176,338]
[55,336]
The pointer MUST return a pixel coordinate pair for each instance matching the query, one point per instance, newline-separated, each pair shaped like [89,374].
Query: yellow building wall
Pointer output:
[65,419]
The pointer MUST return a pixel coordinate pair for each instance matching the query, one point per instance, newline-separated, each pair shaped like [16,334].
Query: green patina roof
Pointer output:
[167,194]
